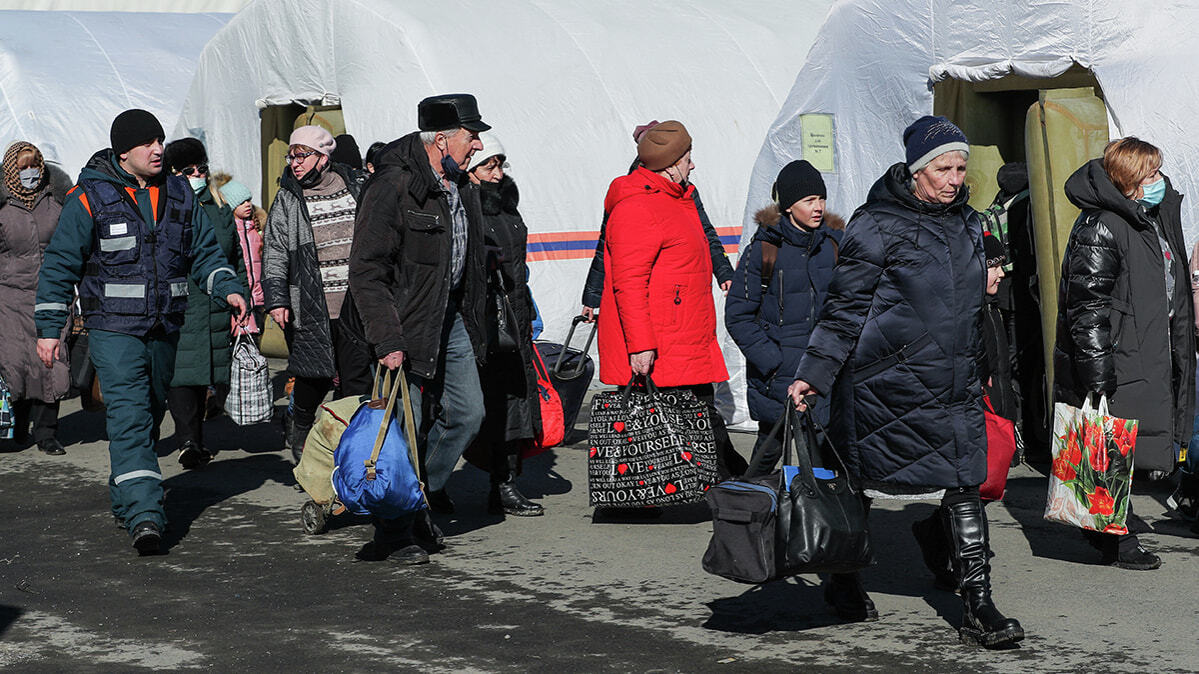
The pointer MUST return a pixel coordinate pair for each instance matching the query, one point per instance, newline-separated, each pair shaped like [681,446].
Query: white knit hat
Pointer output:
[491,147]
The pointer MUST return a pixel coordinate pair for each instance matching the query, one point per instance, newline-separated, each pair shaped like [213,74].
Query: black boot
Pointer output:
[934,546]
[395,540]
[982,623]
[505,498]
[844,593]
[295,439]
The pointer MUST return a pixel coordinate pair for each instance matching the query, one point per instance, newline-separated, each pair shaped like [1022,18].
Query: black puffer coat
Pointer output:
[400,260]
[771,326]
[1114,332]
[291,276]
[899,334]
[508,379]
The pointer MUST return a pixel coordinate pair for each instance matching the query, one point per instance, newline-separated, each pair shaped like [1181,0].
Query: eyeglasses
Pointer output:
[293,158]
[201,170]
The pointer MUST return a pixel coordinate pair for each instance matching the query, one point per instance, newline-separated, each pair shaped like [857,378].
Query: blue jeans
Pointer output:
[134,374]
[456,401]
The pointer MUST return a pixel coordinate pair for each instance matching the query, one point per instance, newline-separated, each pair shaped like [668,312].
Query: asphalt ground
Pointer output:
[243,588]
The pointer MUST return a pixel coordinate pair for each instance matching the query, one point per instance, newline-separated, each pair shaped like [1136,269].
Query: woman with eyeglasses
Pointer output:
[305,277]
[1125,325]
[203,355]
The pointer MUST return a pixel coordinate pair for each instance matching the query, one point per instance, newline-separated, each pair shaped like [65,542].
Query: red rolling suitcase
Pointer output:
[570,369]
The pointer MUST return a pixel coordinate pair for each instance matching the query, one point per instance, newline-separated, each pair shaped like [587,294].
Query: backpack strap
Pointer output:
[770,255]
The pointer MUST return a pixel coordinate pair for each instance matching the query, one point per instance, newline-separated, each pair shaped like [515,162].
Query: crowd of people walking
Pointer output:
[885,328]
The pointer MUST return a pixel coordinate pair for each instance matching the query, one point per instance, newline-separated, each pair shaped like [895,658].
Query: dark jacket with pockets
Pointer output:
[899,334]
[509,380]
[400,260]
[772,327]
[1114,331]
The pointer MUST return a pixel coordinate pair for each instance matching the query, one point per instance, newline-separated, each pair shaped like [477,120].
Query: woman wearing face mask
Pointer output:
[305,277]
[508,380]
[202,356]
[28,216]
[1125,317]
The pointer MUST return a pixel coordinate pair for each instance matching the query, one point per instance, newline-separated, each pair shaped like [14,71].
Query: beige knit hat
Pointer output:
[663,145]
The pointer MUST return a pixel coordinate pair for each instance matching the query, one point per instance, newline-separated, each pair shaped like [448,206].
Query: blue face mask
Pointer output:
[1154,193]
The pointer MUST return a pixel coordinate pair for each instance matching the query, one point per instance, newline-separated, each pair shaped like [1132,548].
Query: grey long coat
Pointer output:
[24,234]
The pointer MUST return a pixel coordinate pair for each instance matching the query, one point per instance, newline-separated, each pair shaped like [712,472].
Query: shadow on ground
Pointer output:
[190,493]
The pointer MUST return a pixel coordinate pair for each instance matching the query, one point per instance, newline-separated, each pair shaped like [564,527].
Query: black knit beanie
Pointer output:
[132,128]
[797,180]
[184,152]
[993,250]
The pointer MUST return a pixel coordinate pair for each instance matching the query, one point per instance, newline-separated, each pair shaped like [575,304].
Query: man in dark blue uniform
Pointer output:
[130,237]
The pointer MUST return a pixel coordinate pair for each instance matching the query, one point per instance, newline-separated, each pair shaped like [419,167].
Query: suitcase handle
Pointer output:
[582,362]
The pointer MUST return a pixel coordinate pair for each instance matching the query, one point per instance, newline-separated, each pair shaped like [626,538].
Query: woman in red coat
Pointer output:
[659,318]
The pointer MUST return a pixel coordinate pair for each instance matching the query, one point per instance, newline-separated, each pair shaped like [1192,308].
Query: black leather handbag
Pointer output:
[502,334]
[821,515]
[804,518]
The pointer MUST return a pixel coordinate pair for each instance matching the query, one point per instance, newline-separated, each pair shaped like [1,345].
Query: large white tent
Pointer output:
[874,62]
[65,75]
[563,83]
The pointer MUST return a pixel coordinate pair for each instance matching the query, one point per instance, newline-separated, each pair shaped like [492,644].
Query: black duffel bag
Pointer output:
[805,518]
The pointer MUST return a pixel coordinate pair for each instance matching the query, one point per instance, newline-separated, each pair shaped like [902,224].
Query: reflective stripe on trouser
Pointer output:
[459,403]
[134,374]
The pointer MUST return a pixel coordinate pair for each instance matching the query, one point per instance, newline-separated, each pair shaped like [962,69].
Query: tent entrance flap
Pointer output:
[277,123]
[1054,126]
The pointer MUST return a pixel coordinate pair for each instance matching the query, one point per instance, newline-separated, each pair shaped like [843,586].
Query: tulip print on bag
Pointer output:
[1091,478]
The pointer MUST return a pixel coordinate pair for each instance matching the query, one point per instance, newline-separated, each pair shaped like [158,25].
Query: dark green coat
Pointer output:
[203,355]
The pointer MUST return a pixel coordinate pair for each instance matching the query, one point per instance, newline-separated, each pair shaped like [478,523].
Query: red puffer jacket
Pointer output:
[657,285]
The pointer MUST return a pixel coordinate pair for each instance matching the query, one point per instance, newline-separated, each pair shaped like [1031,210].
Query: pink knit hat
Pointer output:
[314,137]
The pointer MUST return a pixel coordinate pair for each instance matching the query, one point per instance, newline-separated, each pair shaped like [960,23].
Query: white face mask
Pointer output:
[197,183]
[30,177]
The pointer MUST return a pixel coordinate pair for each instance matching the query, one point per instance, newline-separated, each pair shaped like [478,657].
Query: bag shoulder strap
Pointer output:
[770,256]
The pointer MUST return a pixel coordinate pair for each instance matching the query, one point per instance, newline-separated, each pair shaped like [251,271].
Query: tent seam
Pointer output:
[587,57]
[741,49]
[424,71]
[104,53]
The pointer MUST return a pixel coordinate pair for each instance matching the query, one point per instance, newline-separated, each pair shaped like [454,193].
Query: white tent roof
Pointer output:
[65,75]
[873,60]
[563,83]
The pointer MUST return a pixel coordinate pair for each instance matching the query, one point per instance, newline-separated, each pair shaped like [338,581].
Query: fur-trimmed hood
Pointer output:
[770,216]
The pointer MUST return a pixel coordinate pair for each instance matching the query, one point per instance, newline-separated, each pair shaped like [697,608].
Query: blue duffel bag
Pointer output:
[374,470]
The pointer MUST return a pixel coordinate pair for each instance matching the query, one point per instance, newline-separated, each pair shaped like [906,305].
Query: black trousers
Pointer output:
[187,405]
[728,462]
[42,416]
[353,362]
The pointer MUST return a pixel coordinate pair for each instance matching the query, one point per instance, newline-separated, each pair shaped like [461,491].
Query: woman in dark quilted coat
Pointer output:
[897,345]
[1125,326]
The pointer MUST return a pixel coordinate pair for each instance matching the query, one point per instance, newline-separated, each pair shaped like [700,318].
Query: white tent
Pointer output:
[874,61]
[65,75]
[563,83]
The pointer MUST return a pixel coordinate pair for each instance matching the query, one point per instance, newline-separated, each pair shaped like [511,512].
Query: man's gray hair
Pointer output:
[427,137]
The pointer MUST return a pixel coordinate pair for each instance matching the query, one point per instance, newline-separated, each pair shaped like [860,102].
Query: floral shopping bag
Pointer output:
[1091,479]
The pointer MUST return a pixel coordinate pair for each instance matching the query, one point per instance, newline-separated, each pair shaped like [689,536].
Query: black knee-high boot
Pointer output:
[934,548]
[982,623]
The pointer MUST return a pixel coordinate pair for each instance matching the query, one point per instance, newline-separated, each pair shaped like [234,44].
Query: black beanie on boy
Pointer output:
[797,180]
